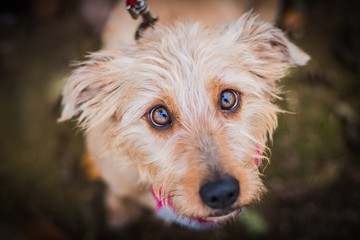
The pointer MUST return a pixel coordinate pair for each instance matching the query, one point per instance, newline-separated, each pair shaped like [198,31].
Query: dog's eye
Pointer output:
[229,100]
[159,117]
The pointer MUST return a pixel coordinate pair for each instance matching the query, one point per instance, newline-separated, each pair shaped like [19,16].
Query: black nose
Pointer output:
[221,193]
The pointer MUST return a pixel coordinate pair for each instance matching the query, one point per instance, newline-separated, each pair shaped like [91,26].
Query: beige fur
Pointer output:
[184,66]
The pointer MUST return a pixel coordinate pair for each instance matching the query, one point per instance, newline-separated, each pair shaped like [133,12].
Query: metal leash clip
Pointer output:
[137,8]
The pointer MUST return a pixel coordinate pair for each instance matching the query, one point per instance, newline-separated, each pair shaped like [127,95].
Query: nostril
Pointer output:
[214,199]
[231,195]
[220,193]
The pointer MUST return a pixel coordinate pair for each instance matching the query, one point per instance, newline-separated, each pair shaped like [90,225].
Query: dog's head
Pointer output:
[191,107]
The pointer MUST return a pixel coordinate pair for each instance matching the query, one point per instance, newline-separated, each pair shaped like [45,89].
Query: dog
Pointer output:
[179,121]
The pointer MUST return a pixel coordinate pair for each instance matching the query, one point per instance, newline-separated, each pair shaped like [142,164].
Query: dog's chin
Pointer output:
[196,222]
[168,212]
[222,217]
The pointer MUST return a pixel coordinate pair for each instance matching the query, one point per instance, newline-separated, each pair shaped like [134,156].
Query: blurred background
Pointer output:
[314,174]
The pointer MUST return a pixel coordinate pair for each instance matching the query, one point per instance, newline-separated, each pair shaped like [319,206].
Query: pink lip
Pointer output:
[256,160]
[160,200]
[160,203]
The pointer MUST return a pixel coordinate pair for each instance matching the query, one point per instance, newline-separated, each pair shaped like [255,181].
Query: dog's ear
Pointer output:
[264,50]
[93,90]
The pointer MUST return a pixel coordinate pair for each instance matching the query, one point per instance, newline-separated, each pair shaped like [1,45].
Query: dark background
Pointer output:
[314,175]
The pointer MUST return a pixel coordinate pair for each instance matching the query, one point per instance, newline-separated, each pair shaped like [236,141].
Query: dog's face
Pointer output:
[191,107]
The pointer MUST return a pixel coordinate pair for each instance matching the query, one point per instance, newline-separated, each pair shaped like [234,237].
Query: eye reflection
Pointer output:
[159,117]
[229,100]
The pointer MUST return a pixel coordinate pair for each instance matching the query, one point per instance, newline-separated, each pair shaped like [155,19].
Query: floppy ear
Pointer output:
[93,90]
[264,50]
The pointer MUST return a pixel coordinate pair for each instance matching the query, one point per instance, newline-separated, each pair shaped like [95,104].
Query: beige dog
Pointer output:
[178,122]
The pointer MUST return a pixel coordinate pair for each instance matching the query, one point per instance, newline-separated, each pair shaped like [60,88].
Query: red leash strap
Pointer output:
[130,3]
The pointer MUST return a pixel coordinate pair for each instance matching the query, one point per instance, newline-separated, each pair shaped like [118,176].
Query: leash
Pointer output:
[137,8]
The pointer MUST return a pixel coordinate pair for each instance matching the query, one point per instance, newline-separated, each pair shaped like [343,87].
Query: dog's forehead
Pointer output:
[190,56]
[192,70]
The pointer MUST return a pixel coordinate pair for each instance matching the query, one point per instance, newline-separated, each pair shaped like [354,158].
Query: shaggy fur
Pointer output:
[184,66]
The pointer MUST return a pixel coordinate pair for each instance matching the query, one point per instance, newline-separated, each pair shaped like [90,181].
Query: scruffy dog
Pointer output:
[179,121]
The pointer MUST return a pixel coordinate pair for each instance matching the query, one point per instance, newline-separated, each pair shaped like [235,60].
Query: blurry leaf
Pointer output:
[254,221]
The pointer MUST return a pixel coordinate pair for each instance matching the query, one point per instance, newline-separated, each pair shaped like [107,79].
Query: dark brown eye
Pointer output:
[159,117]
[229,100]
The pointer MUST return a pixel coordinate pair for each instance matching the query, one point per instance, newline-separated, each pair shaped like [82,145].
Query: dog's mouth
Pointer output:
[166,210]
[222,217]
[198,223]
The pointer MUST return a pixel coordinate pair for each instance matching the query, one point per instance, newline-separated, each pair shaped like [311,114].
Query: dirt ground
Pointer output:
[313,178]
